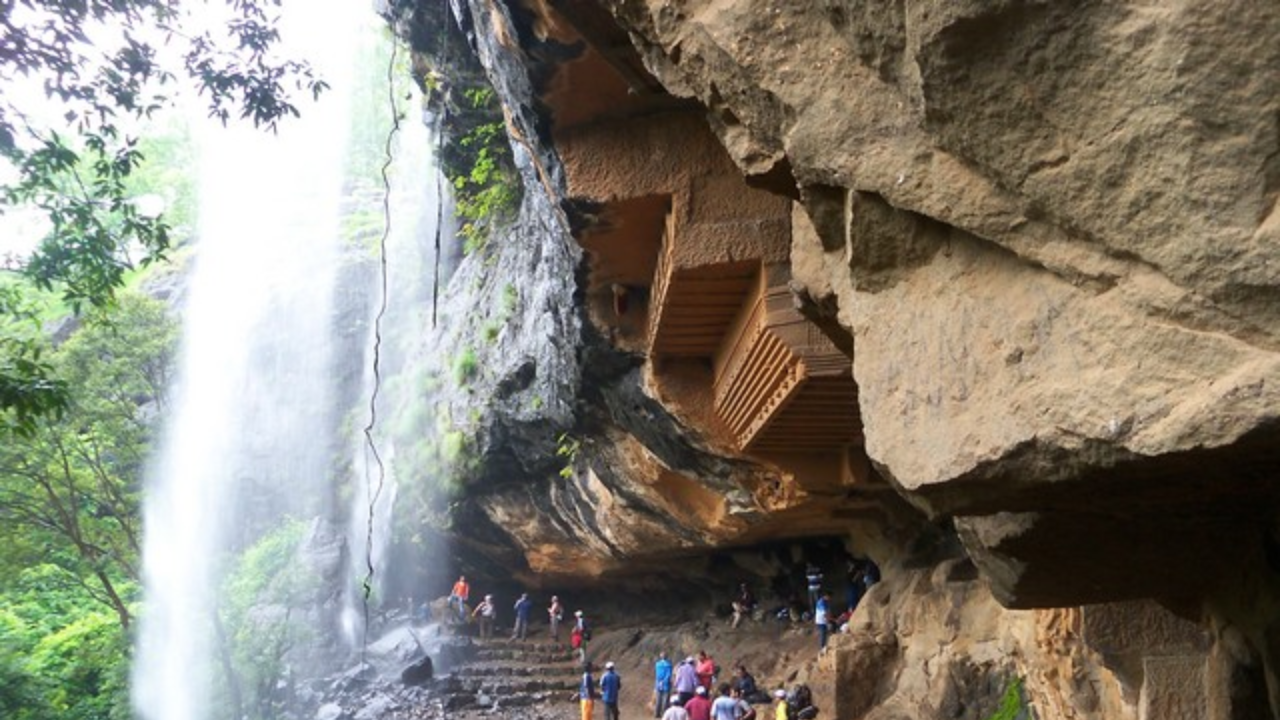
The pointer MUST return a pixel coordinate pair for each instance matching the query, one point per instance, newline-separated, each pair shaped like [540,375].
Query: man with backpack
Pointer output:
[799,704]
[580,635]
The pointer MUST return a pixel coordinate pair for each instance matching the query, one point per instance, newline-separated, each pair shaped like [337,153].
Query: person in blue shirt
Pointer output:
[610,685]
[587,691]
[820,618]
[522,607]
[661,685]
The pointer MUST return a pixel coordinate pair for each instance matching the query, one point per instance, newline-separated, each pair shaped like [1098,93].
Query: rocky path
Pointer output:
[502,679]
[510,674]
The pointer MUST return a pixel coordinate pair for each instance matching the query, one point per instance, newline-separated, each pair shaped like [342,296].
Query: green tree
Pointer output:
[72,485]
[61,654]
[260,622]
[96,70]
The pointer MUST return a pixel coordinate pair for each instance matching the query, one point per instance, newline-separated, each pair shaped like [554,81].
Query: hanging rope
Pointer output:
[371,447]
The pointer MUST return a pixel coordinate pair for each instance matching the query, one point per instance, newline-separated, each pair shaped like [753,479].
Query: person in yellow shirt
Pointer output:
[780,713]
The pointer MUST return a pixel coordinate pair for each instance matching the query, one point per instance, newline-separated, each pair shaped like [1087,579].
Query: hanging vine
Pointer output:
[374,489]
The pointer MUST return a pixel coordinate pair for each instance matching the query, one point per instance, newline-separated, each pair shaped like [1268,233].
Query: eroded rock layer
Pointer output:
[1002,273]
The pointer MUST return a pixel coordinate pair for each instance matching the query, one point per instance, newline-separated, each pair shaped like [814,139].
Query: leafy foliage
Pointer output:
[61,655]
[465,366]
[1012,705]
[80,77]
[481,171]
[259,627]
[72,484]
[567,447]
[475,153]
[29,390]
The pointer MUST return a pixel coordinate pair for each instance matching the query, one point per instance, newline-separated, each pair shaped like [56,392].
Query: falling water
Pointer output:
[258,420]
[412,206]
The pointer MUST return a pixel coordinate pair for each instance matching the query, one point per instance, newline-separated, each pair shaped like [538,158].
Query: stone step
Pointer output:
[505,685]
[467,701]
[486,653]
[503,670]
[535,645]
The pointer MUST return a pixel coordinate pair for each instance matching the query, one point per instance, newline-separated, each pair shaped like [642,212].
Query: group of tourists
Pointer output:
[607,691]
[860,574]
[486,614]
[684,692]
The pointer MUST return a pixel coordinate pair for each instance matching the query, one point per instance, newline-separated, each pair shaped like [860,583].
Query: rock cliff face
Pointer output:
[865,270]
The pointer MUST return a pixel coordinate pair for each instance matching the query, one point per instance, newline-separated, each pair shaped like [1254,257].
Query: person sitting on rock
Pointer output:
[675,711]
[522,608]
[686,681]
[743,605]
[458,598]
[780,711]
[610,686]
[745,684]
[488,614]
[699,706]
[555,614]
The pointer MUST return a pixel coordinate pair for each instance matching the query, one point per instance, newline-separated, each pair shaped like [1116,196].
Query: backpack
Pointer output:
[800,704]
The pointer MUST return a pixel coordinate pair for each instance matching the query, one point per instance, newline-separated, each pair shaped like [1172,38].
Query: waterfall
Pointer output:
[261,430]
[412,209]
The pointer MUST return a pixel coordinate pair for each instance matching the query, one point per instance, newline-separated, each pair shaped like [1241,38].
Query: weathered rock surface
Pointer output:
[1050,229]
[1047,232]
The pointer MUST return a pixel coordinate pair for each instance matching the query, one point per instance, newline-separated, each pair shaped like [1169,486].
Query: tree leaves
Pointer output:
[100,61]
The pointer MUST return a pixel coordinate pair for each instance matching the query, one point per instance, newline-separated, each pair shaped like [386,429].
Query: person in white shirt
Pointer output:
[676,711]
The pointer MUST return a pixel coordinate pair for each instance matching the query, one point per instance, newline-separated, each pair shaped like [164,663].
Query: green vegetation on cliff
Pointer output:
[475,152]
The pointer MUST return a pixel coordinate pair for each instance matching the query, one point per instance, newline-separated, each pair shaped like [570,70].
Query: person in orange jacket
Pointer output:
[458,598]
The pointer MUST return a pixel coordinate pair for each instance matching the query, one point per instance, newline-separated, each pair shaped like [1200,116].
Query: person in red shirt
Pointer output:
[706,670]
[699,706]
[458,597]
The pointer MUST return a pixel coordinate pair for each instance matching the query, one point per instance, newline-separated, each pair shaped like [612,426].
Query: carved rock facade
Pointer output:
[1030,253]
